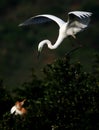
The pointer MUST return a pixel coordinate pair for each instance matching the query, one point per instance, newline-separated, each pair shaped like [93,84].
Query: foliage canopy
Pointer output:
[67,97]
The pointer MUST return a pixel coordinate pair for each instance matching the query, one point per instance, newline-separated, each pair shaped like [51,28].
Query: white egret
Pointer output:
[77,21]
[17,109]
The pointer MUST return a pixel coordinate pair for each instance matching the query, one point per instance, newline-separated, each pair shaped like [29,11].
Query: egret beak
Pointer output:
[23,101]
[38,55]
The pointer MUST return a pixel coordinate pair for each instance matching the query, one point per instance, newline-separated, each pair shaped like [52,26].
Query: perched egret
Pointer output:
[17,109]
[77,21]
[54,127]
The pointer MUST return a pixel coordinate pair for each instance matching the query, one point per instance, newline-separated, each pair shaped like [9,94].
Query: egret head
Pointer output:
[39,49]
[40,46]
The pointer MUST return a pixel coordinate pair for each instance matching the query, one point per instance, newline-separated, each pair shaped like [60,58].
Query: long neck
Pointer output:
[57,43]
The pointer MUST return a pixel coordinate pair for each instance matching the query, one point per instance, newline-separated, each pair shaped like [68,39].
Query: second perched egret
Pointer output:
[77,21]
[18,108]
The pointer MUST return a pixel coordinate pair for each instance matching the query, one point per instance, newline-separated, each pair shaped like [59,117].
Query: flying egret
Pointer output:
[77,21]
[17,109]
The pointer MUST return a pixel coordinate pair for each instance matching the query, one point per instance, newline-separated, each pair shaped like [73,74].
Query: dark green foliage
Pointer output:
[73,95]
[5,100]
[67,97]
[96,65]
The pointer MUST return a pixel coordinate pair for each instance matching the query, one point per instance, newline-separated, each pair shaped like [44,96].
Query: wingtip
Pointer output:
[23,24]
[91,13]
[20,25]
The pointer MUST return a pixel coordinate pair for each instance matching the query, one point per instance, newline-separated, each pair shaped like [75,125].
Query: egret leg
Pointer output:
[74,36]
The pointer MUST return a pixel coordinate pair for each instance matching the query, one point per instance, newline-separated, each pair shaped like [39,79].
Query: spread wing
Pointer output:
[79,19]
[42,19]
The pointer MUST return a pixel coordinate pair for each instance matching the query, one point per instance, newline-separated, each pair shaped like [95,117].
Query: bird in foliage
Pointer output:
[18,108]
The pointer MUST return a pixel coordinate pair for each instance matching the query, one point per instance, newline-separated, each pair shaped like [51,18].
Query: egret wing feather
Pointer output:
[35,20]
[43,19]
[79,19]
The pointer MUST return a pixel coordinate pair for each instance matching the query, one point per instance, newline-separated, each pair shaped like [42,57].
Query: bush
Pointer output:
[67,97]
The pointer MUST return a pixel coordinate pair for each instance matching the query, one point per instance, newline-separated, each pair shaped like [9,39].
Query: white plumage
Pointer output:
[13,109]
[77,21]
[18,108]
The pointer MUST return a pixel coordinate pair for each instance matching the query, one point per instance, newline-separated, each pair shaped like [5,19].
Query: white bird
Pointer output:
[17,109]
[77,21]
[54,127]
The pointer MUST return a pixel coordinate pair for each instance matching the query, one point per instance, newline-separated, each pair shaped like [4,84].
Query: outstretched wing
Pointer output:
[79,19]
[42,19]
